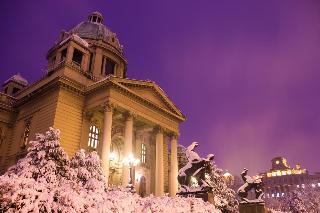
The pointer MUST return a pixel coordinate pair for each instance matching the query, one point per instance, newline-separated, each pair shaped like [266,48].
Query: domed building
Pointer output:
[87,95]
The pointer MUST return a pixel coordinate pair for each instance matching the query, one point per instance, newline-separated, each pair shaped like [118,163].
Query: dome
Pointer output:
[94,29]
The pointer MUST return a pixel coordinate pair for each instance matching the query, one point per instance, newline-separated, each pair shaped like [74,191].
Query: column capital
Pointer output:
[158,129]
[174,135]
[108,106]
[88,114]
[129,115]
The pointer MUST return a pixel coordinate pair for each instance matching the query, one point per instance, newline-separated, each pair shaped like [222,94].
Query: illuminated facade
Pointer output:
[87,95]
[282,179]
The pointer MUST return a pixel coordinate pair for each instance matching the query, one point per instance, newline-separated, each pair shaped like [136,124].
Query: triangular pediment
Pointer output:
[151,92]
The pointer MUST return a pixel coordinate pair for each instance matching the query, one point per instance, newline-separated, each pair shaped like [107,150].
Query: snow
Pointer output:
[76,38]
[19,79]
[224,197]
[46,180]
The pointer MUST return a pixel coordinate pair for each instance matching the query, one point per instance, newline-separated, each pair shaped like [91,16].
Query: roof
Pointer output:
[92,29]
[17,78]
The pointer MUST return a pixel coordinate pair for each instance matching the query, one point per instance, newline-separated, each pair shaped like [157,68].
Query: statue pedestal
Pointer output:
[205,196]
[252,208]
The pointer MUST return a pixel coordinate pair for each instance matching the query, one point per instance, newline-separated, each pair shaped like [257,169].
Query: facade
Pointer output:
[282,179]
[87,95]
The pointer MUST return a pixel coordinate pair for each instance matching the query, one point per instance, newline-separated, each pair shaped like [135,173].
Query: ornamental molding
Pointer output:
[108,106]
[109,82]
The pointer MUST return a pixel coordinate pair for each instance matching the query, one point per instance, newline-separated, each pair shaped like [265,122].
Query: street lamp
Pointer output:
[131,162]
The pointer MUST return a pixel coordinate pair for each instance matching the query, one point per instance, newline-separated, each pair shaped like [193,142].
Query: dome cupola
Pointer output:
[91,47]
[95,17]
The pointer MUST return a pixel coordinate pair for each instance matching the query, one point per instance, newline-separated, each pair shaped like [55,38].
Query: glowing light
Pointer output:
[283,172]
[227,174]
[112,156]
[130,160]
[194,182]
[274,174]
[298,186]
[278,173]
[138,176]
[272,195]
[282,194]
[302,185]
[278,195]
[269,174]
[289,172]
[318,184]
[277,162]
[313,185]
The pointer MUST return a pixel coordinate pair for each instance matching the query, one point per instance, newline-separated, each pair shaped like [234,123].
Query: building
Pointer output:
[282,179]
[87,95]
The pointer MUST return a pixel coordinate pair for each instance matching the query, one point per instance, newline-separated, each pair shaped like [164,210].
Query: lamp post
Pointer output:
[131,162]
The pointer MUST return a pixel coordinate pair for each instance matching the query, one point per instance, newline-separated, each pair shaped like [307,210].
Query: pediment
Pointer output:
[151,92]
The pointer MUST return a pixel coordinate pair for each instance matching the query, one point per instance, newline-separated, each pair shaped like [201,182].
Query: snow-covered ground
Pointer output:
[46,180]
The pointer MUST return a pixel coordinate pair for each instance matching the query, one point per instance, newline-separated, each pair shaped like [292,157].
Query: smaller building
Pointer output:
[282,178]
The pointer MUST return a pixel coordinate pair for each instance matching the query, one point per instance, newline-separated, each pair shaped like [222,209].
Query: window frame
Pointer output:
[143,153]
[93,136]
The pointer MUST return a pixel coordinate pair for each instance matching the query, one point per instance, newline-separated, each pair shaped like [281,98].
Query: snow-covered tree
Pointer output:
[224,197]
[182,158]
[298,201]
[45,180]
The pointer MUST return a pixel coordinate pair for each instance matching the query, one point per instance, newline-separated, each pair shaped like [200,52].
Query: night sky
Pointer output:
[245,73]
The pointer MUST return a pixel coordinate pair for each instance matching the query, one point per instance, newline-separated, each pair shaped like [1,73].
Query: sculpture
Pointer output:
[250,183]
[196,168]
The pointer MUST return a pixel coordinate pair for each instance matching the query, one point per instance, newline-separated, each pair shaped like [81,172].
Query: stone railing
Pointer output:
[6,99]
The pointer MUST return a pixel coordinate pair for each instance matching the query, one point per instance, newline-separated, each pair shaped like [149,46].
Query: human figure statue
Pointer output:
[249,184]
[196,167]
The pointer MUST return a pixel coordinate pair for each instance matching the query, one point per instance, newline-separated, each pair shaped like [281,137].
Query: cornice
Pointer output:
[56,82]
[108,82]
[140,99]
[155,87]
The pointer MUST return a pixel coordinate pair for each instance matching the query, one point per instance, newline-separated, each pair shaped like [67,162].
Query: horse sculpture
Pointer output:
[250,183]
[197,168]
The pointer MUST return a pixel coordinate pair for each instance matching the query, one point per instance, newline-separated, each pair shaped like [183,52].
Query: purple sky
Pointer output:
[245,73]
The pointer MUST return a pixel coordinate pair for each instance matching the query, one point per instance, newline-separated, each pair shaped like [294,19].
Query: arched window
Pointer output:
[93,137]
[143,153]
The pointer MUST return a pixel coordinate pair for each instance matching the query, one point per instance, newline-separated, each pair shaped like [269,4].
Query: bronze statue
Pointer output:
[197,168]
[250,183]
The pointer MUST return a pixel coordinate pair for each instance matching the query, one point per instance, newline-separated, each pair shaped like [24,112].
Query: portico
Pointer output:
[88,96]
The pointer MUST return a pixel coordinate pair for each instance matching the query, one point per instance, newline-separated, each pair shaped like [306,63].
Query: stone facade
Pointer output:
[87,95]
[282,179]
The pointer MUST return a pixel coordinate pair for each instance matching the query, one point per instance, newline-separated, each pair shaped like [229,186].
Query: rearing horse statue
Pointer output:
[196,167]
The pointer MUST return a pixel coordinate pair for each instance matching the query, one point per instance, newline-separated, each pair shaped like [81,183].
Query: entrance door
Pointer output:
[143,186]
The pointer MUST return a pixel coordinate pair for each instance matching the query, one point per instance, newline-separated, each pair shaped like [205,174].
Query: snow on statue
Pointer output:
[45,180]
[196,168]
[250,183]
[202,175]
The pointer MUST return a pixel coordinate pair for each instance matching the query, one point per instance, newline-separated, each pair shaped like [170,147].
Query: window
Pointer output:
[143,153]
[77,57]
[63,54]
[109,66]
[93,137]
[26,133]
[15,90]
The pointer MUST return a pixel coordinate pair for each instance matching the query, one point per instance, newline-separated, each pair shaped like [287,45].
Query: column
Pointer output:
[106,139]
[159,176]
[128,132]
[84,63]
[69,54]
[173,166]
